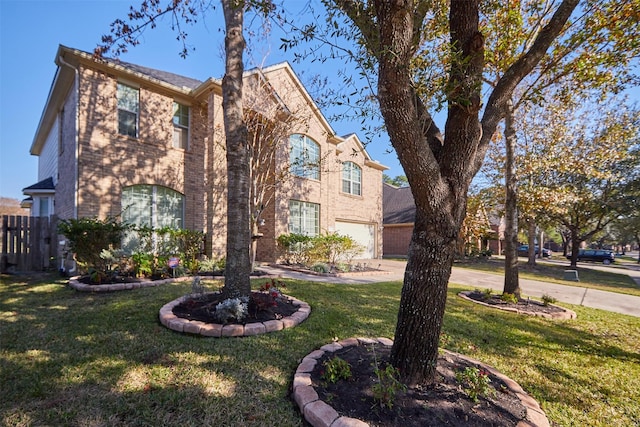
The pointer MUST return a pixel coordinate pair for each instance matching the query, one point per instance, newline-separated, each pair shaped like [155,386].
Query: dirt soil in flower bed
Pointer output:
[116,279]
[441,404]
[202,308]
[528,305]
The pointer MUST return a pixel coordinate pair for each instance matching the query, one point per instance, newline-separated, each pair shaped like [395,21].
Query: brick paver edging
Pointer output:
[562,315]
[173,322]
[373,272]
[320,414]
[111,287]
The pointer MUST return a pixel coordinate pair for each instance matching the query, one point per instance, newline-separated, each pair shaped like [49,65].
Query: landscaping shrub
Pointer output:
[331,249]
[109,247]
[294,248]
[88,237]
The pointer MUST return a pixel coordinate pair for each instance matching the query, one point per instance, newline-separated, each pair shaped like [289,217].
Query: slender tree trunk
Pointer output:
[575,246]
[238,267]
[531,240]
[511,279]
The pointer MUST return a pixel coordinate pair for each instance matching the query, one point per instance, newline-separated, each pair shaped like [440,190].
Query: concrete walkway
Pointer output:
[394,271]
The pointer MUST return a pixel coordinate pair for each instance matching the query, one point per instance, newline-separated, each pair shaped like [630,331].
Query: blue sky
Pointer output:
[30,32]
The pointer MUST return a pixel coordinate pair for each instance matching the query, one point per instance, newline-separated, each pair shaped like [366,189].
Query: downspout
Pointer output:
[76,148]
[75,132]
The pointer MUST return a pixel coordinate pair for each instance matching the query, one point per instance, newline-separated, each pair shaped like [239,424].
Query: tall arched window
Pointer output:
[304,157]
[351,178]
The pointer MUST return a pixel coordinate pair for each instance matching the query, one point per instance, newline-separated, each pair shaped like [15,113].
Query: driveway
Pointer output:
[394,271]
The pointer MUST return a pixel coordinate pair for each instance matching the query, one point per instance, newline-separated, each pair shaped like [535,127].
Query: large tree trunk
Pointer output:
[439,172]
[423,299]
[238,266]
[441,199]
[511,279]
[575,246]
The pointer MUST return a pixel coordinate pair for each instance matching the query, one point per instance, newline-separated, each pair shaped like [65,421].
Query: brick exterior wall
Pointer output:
[108,162]
[397,238]
[66,184]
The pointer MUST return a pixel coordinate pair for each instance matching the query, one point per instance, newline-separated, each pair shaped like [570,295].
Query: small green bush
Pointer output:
[207,265]
[510,298]
[387,387]
[320,268]
[328,248]
[294,247]
[548,299]
[475,382]
[336,369]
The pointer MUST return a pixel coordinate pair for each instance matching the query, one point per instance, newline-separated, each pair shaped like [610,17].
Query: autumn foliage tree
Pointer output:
[582,176]
[389,38]
[594,53]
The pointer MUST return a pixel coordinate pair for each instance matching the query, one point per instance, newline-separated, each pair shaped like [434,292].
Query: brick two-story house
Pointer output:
[119,139]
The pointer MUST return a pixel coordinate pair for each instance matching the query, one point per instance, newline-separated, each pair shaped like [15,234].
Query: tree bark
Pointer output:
[531,240]
[575,246]
[238,264]
[439,172]
[511,274]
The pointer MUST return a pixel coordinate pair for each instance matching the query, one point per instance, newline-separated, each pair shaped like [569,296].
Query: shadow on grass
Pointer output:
[577,369]
[80,358]
[71,358]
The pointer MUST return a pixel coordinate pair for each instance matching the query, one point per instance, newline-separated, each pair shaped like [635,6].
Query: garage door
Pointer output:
[363,234]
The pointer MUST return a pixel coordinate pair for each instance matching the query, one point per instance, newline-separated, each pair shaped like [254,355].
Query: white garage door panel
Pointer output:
[363,234]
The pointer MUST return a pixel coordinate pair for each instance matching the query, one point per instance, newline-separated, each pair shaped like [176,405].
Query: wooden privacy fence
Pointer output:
[28,243]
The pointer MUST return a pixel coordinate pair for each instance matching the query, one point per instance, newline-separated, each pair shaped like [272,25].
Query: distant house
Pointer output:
[119,139]
[399,211]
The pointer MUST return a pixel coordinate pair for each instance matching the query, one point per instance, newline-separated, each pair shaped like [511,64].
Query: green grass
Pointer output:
[589,278]
[70,358]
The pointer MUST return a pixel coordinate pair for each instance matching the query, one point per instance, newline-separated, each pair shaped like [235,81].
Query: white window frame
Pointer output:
[304,217]
[155,206]
[351,179]
[128,105]
[180,129]
[304,157]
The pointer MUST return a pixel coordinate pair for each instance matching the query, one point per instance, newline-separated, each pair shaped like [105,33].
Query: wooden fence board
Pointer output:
[28,243]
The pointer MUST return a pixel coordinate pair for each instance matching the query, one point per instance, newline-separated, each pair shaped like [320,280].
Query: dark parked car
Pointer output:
[597,255]
[523,250]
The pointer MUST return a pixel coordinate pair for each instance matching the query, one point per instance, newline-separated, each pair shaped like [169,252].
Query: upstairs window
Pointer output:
[128,107]
[351,178]
[304,158]
[180,126]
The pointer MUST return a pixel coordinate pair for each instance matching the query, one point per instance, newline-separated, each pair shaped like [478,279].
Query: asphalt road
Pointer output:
[394,270]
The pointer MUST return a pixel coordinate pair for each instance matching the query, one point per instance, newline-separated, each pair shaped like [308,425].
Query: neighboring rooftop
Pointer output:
[398,206]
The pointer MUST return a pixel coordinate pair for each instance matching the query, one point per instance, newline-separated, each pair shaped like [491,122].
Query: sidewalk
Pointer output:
[394,271]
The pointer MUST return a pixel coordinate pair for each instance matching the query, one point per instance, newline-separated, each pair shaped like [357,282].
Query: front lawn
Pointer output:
[589,278]
[71,358]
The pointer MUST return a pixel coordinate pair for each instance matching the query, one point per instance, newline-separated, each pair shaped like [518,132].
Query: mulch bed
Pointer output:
[523,304]
[442,404]
[202,308]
